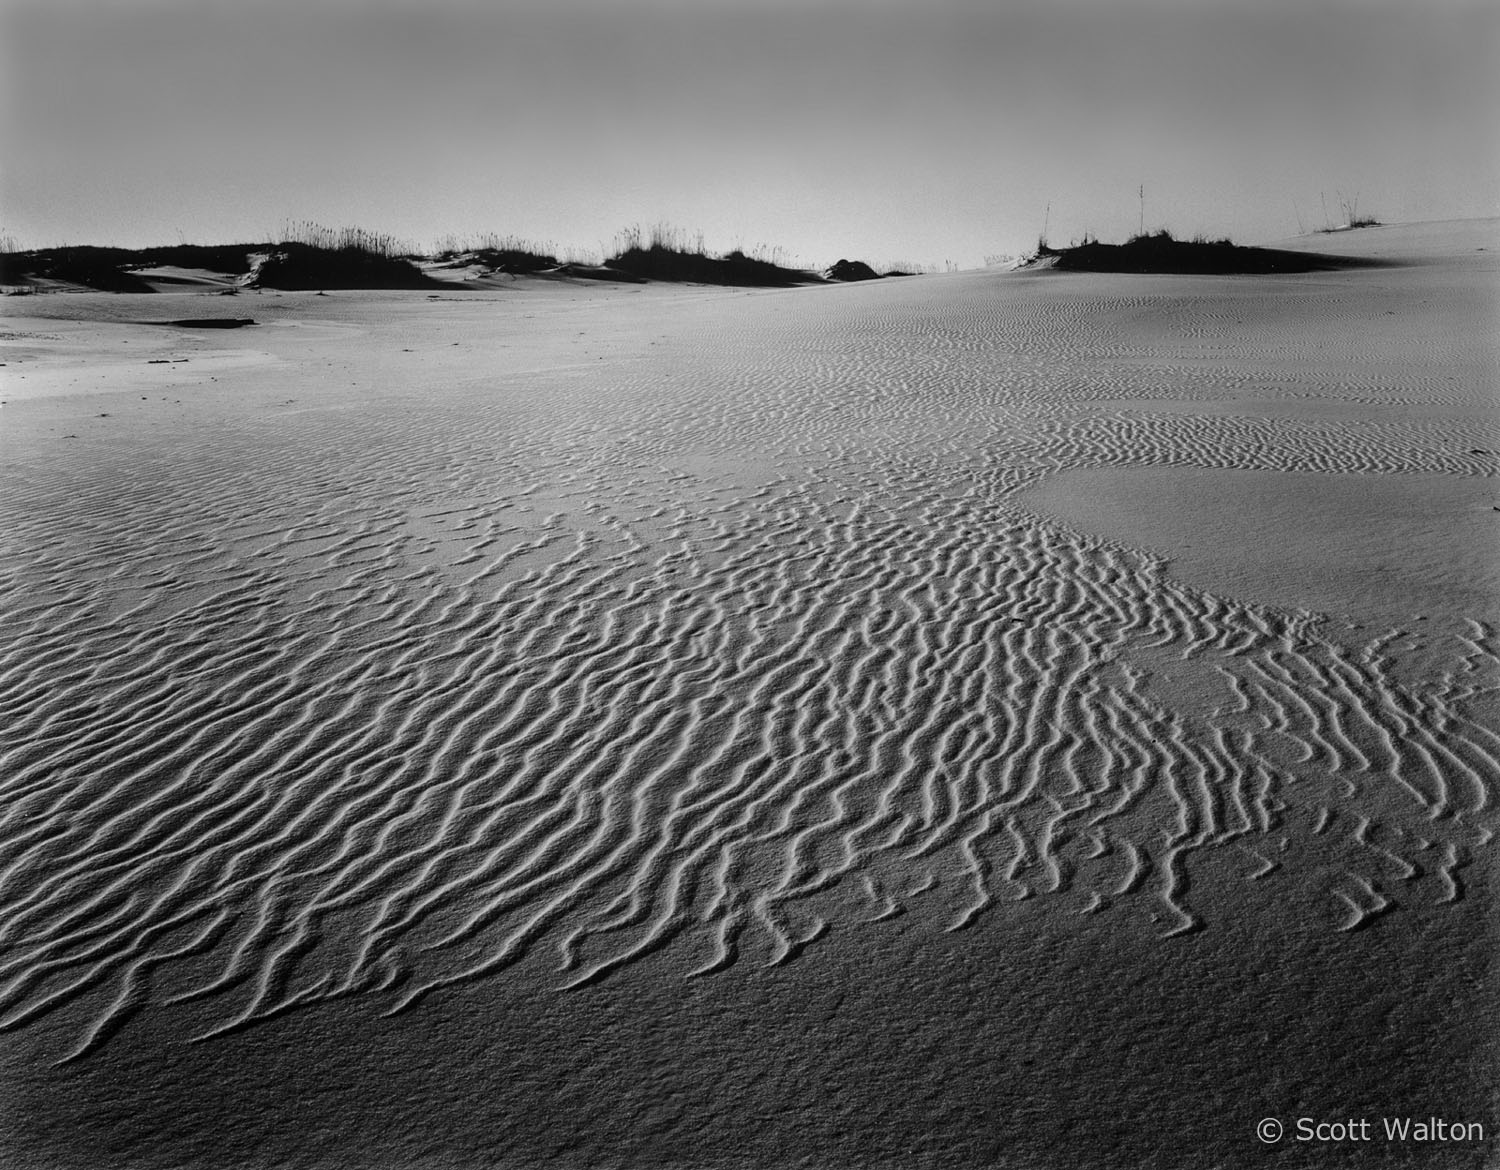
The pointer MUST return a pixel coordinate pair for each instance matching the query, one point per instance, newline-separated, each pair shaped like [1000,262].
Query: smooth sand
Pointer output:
[1378,549]
[1029,720]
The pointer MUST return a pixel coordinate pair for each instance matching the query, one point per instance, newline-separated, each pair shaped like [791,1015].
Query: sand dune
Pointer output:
[567,642]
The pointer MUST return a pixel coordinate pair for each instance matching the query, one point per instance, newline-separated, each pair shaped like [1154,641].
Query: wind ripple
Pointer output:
[726,652]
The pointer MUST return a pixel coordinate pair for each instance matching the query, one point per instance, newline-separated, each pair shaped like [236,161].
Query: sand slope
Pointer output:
[456,675]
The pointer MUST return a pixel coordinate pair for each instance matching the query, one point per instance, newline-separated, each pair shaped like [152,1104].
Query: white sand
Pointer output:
[1027,701]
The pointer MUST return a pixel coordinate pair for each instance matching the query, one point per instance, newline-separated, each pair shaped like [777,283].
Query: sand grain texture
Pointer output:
[867,725]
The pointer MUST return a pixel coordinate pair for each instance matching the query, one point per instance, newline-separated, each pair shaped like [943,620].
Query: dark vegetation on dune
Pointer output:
[308,256]
[105,269]
[667,256]
[303,266]
[1362,221]
[290,265]
[1160,252]
[735,268]
[312,257]
[296,266]
[1352,220]
[848,270]
[667,253]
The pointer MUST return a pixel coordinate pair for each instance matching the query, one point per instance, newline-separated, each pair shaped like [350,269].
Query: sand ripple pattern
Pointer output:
[725,653]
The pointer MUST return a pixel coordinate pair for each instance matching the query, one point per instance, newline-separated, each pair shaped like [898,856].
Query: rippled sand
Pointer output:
[593,726]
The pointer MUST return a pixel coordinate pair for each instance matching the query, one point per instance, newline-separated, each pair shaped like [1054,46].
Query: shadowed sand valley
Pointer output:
[1028,719]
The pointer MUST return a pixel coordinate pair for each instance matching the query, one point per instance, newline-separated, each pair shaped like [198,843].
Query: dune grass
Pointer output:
[1359,221]
[307,255]
[306,233]
[664,252]
[1349,206]
[303,267]
[1161,252]
[850,270]
[845,271]
[312,256]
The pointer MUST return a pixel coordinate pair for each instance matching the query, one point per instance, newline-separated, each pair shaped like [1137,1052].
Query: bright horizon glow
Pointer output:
[939,132]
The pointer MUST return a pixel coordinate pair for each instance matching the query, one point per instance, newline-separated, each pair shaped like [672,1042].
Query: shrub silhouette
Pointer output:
[667,253]
[1161,252]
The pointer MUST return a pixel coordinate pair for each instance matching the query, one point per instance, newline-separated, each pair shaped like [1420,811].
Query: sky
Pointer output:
[938,132]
